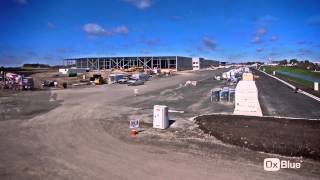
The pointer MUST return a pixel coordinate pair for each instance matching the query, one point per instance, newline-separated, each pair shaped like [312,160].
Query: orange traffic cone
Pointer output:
[133,132]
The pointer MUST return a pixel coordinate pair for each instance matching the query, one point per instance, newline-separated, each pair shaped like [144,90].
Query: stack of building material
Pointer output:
[247,77]
[224,94]
[246,99]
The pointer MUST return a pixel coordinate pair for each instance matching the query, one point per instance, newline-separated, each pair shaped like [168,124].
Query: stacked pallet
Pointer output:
[246,98]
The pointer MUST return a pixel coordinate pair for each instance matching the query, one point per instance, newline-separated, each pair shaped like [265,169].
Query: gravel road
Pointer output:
[83,134]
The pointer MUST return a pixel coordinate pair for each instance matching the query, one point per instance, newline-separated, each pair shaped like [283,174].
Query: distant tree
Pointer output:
[283,62]
[293,61]
[306,64]
[36,65]
[249,63]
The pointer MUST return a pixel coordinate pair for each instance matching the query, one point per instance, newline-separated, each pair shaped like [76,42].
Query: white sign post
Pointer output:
[316,86]
[134,124]
[135,92]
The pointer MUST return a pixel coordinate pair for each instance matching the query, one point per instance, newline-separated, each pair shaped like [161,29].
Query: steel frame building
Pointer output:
[176,63]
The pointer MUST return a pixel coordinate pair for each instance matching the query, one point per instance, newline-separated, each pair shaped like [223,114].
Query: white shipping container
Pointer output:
[160,117]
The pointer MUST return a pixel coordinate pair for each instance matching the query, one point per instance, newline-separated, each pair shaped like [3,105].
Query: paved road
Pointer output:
[68,141]
[276,99]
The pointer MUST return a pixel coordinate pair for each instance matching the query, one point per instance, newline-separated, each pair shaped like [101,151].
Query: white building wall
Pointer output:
[195,63]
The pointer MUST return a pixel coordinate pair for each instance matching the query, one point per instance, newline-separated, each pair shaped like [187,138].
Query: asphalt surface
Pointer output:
[276,99]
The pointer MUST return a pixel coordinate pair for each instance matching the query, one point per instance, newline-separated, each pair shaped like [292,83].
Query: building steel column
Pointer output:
[176,63]
[99,64]
[152,62]
[87,63]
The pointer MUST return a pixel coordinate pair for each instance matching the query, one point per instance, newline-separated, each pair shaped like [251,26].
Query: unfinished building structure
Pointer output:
[175,63]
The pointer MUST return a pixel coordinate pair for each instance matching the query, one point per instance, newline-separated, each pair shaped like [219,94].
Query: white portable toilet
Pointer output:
[160,117]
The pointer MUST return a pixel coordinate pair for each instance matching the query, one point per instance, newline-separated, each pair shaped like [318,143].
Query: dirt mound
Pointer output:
[290,137]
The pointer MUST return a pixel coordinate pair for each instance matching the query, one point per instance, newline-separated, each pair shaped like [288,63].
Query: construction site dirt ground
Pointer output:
[84,133]
[275,134]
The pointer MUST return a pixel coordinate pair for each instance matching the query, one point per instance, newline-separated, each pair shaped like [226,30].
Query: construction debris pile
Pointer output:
[222,94]
[227,93]
[234,75]
[76,77]
[15,81]
[245,95]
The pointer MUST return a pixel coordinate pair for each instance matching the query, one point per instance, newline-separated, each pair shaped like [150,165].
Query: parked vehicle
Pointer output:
[16,81]
[98,81]
[48,83]
[27,83]
[140,76]
[123,81]
[114,78]
[135,82]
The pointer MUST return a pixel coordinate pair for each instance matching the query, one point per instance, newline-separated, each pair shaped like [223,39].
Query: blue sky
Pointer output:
[46,31]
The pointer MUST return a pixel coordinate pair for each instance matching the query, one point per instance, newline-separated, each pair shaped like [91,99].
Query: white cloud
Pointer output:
[141,4]
[258,34]
[256,40]
[121,30]
[92,29]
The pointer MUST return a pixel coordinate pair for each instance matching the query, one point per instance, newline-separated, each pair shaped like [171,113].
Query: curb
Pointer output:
[292,86]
